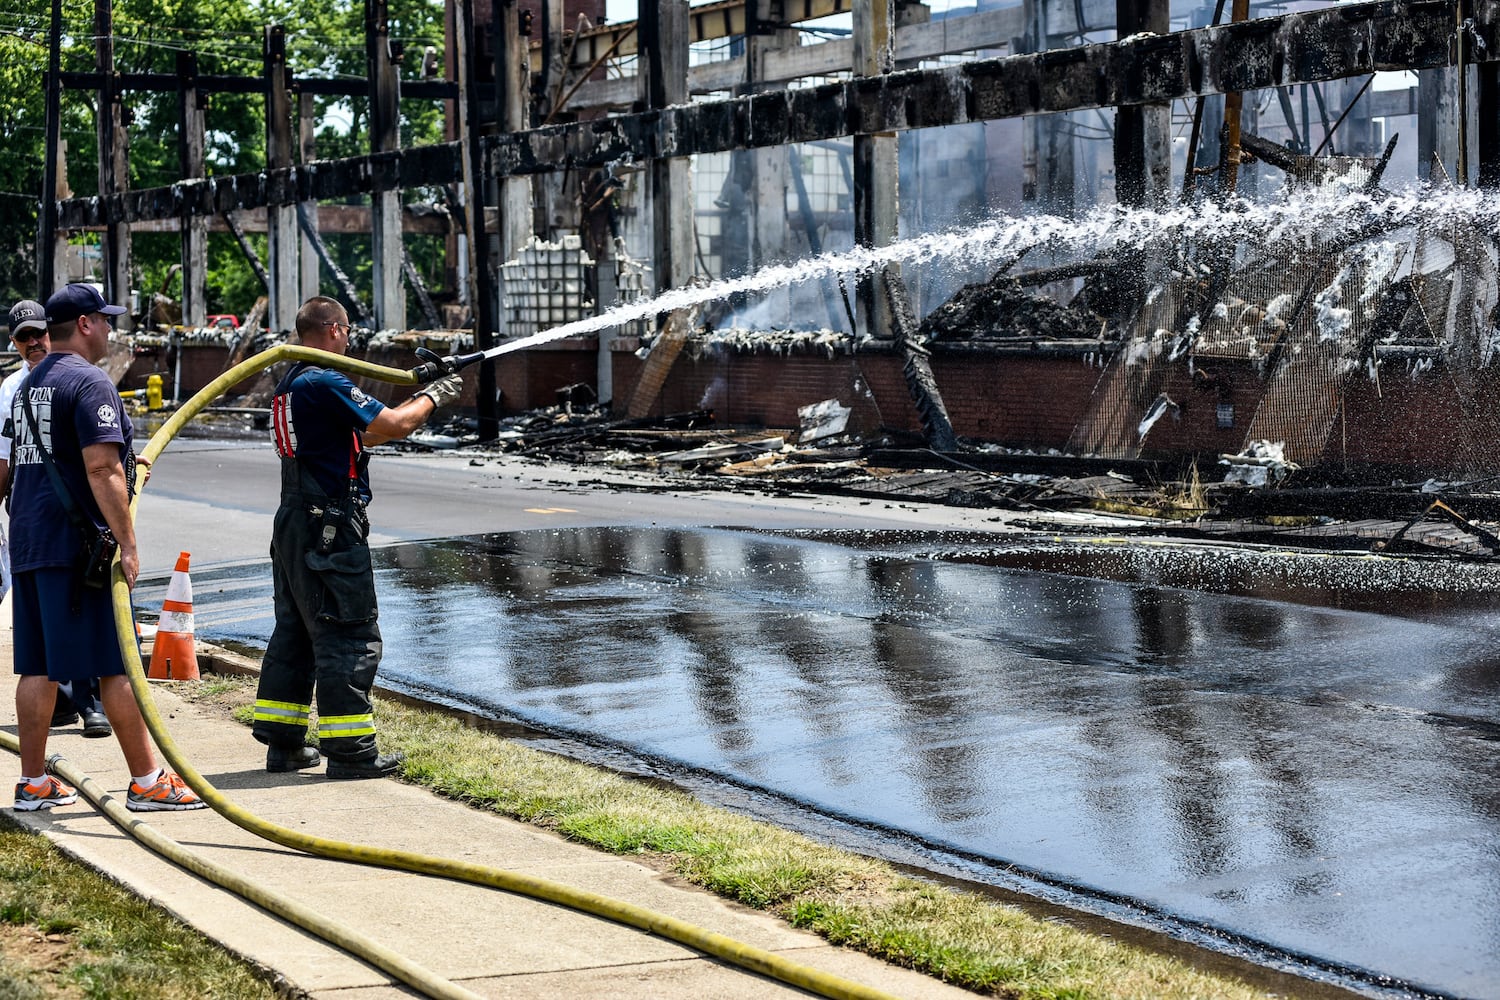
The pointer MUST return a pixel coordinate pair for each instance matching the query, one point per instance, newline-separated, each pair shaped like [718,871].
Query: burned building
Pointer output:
[1123,230]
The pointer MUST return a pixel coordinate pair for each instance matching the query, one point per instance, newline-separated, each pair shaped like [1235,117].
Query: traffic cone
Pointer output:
[172,654]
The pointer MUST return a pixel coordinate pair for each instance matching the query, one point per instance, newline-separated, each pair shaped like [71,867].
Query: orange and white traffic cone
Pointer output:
[172,654]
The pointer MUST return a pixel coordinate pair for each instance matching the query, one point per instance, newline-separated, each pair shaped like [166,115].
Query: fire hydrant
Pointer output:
[153,392]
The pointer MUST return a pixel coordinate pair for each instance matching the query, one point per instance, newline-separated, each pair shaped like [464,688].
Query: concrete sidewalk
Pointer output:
[491,942]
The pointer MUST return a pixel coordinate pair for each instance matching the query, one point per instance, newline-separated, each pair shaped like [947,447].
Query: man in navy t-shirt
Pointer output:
[326,641]
[69,412]
[28,331]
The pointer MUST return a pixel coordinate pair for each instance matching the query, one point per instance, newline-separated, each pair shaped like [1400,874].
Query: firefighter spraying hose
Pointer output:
[745,956]
[326,643]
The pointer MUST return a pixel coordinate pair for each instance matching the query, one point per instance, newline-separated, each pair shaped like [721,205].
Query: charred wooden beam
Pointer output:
[875,173]
[916,368]
[1025,346]
[1411,352]
[282,244]
[1488,145]
[342,220]
[989,29]
[469,167]
[1274,154]
[191,126]
[307,152]
[385,137]
[346,287]
[324,180]
[433,90]
[249,251]
[1142,139]
[1327,44]
[414,278]
[1062,272]
[1309,167]
[705,23]
[114,165]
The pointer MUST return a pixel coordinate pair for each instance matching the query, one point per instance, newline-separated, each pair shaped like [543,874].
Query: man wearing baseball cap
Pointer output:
[72,302]
[28,332]
[64,630]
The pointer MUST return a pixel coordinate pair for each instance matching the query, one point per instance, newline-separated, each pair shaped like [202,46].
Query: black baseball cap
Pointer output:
[27,314]
[72,301]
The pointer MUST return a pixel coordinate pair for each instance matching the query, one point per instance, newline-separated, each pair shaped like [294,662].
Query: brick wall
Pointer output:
[1023,402]
[1019,402]
[1439,422]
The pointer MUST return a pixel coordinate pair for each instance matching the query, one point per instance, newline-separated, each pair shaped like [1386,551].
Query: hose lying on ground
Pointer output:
[720,946]
[340,935]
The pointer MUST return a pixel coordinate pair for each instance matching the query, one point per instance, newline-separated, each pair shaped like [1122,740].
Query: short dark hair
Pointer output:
[317,313]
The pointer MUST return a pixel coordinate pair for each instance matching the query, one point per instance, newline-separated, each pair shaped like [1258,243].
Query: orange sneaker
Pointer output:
[49,793]
[168,791]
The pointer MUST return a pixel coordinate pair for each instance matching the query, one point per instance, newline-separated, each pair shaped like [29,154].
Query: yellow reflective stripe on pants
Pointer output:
[284,712]
[331,726]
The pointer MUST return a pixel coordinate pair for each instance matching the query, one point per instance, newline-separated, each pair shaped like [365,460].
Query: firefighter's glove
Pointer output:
[444,391]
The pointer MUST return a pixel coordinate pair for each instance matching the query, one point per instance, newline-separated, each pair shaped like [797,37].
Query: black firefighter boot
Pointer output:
[282,759]
[369,767]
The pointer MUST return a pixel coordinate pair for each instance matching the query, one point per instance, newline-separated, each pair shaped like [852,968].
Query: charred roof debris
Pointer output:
[1262,334]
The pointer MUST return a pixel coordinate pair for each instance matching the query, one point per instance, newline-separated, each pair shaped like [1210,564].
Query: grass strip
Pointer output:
[959,937]
[68,931]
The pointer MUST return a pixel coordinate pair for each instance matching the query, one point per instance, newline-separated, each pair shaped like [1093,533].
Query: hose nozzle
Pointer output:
[434,368]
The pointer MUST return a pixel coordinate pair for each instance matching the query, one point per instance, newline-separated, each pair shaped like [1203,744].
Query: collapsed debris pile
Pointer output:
[1001,308]
[688,451]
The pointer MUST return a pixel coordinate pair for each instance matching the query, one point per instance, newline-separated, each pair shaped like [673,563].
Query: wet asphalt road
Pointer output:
[1303,751]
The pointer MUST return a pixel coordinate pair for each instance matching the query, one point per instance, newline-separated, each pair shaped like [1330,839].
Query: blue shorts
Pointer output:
[50,639]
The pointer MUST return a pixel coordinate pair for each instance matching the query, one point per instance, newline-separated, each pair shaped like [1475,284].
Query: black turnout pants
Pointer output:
[326,643]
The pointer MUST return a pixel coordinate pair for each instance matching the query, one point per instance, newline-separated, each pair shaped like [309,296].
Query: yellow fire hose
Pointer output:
[707,942]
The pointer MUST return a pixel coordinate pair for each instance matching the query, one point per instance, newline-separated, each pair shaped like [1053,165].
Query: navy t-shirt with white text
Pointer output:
[75,405]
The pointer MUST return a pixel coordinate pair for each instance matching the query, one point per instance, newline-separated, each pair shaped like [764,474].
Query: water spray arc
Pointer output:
[1111,231]
[707,942]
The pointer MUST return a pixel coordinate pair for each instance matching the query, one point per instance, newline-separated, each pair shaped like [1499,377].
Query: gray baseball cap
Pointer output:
[27,314]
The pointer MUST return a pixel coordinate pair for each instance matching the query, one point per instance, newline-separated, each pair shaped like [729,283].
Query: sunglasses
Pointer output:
[336,324]
[26,336]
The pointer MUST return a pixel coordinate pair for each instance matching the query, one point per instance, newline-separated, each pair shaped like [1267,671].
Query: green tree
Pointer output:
[325,38]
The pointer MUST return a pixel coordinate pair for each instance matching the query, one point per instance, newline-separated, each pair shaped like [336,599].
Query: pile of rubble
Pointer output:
[1002,308]
[688,451]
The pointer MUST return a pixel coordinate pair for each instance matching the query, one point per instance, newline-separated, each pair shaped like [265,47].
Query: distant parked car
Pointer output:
[225,320]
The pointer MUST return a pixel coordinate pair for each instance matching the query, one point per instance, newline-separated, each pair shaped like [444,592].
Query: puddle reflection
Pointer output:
[1304,751]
